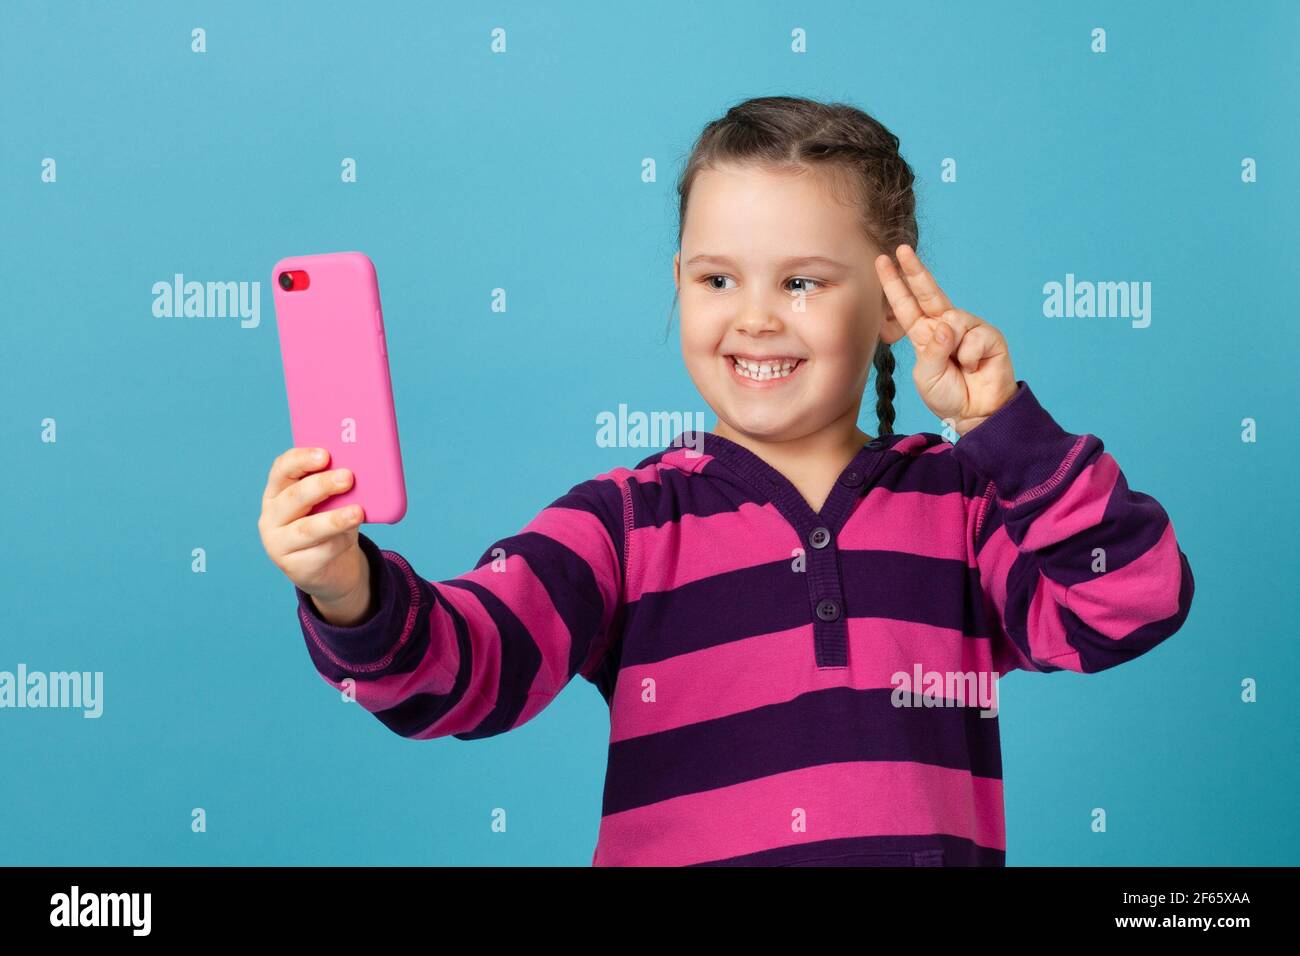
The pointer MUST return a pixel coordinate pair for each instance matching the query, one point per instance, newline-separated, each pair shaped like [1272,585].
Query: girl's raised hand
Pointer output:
[963,369]
[319,553]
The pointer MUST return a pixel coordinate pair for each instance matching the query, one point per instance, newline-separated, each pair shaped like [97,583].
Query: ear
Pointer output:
[891,330]
[677,270]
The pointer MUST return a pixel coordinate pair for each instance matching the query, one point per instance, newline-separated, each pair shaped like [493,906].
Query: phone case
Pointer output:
[336,376]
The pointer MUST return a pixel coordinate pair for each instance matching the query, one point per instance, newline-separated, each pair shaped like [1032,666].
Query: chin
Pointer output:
[764,427]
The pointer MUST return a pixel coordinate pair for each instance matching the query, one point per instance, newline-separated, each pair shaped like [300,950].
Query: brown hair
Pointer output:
[792,132]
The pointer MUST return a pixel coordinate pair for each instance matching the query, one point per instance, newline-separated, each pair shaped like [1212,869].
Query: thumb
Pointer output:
[932,359]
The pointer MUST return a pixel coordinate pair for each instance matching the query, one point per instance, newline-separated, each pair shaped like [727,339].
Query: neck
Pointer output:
[811,462]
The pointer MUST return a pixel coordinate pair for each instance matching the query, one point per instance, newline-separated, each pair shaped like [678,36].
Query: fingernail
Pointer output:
[318,455]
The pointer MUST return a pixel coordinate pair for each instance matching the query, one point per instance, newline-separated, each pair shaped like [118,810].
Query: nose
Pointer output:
[761,315]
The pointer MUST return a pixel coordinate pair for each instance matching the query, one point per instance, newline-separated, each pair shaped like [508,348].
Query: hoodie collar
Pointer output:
[691,450]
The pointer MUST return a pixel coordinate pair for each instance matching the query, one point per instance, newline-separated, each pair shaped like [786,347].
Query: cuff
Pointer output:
[367,642]
[1020,448]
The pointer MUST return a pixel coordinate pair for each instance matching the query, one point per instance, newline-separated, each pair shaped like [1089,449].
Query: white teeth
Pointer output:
[764,370]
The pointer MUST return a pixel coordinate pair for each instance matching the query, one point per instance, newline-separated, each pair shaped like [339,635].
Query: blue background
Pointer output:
[522,171]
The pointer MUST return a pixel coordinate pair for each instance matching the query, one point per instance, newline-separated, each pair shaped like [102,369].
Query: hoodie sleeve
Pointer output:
[484,652]
[1084,573]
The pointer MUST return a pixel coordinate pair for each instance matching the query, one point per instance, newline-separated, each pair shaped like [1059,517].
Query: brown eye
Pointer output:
[710,281]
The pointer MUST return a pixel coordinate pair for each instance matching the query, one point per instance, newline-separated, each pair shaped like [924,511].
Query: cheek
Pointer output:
[842,342]
[702,331]
[698,349]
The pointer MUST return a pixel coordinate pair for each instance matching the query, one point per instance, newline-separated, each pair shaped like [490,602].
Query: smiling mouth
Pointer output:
[760,371]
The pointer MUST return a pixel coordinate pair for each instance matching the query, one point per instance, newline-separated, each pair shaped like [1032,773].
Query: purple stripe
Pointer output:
[774,739]
[675,494]
[772,597]
[1022,580]
[938,849]
[1040,444]
[915,588]
[601,497]
[371,649]
[715,610]
[1097,652]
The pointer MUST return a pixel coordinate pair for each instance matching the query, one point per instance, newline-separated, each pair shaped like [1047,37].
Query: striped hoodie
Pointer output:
[757,656]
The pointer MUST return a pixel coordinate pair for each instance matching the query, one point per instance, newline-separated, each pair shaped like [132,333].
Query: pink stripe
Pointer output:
[653,472]
[778,667]
[914,445]
[835,801]
[647,475]
[701,547]
[520,590]
[485,677]
[435,673]
[1080,506]
[584,534]
[913,522]
[684,460]
[1118,602]
[1047,639]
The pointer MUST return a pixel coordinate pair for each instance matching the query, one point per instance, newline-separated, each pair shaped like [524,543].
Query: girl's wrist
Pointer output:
[352,608]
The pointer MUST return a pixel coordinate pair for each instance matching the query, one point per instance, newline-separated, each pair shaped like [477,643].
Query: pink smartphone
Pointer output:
[336,375]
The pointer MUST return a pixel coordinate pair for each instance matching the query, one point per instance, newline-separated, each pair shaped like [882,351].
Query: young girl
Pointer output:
[787,617]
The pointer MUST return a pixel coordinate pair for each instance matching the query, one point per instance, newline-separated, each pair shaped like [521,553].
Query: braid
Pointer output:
[884,363]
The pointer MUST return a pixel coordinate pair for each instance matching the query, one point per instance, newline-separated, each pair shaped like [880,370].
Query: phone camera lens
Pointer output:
[286,281]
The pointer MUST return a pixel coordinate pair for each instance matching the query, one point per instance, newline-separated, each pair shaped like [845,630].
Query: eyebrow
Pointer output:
[792,261]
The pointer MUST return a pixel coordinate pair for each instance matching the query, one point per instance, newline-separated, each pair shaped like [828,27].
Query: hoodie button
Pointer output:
[852,478]
[875,444]
[819,538]
[828,610]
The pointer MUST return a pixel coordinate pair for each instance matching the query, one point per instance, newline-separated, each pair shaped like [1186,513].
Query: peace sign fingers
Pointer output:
[906,309]
[927,291]
[914,294]
[963,369]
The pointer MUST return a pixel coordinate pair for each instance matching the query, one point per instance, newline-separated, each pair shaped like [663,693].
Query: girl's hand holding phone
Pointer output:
[317,552]
[963,368]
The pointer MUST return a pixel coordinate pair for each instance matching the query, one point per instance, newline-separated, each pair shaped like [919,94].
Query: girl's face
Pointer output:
[780,304]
